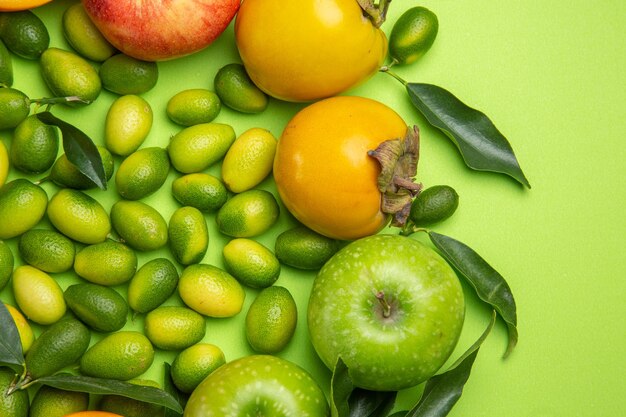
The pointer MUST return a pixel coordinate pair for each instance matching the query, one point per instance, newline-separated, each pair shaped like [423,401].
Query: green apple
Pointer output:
[390,307]
[258,385]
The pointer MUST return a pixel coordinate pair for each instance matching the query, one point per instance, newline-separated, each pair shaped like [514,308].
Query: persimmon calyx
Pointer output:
[377,13]
[398,162]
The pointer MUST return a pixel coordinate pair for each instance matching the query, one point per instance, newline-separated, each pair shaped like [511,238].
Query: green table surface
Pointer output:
[551,77]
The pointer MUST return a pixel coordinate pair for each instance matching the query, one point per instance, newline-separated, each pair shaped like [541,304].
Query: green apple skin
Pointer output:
[407,344]
[258,385]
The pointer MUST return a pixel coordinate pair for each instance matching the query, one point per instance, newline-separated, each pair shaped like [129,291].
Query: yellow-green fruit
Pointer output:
[22,205]
[193,107]
[271,320]
[47,250]
[121,355]
[197,147]
[106,263]
[27,336]
[24,33]
[4,164]
[128,123]
[65,173]
[142,173]
[248,214]
[68,74]
[303,248]
[412,35]
[7,262]
[194,364]
[251,263]
[174,327]
[202,191]
[57,347]
[34,146]
[210,291]
[56,402]
[129,407]
[14,107]
[249,160]
[6,66]
[237,91]
[79,216]
[101,308]
[83,36]
[188,235]
[16,404]
[38,295]
[122,74]
[140,226]
[152,284]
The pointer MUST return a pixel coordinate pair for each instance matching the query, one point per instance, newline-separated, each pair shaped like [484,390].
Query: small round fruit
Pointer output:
[195,148]
[47,250]
[57,347]
[24,33]
[272,386]
[14,107]
[7,262]
[122,355]
[249,160]
[83,36]
[152,285]
[16,404]
[6,66]
[142,173]
[140,226]
[66,174]
[127,124]
[248,214]
[412,35]
[271,320]
[122,74]
[27,337]
[434,205]
[237,91]
[130,407]
[210,291]
[22,205]
[188,235]
[303,248]
[174,327]
[251,263]
[325,173]
[35,146]
[101,308]
[193,107]
[106,263]
[4,164]
[195,363]
[390,307]
[38,295]
[202,191]
[68,74]
[79,216]
[56,402]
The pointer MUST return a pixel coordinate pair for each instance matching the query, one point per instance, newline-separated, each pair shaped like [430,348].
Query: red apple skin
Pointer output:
[158,30]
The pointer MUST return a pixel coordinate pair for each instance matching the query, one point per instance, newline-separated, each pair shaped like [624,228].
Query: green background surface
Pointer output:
[551,77]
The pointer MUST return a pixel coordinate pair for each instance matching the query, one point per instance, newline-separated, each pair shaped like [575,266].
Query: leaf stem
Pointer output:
[385,69]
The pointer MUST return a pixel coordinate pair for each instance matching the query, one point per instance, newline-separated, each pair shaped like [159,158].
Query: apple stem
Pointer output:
[380,295]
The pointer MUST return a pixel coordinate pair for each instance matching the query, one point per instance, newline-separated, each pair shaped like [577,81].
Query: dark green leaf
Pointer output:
[490,286]
[340,389]
[101,386]
[79,149]
[170,388]
[481,144]
[365,403]
[443,391]
[10,344]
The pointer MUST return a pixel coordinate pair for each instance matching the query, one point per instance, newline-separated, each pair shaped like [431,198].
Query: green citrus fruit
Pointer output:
[302,248]
[195,363]
[251,263]
[127,124]
[56,402]
[433,205]
[237,91]
[66,174]
[202,191]
[24,33]
[101,308]
[122,74]
[83,36]
[197,147]
[38,295]
[14,107]
[188,235]
[248,214]
[153,283]
[47,250]
[22,205]
[412,35]
[142,173]
[79,216]
[141,226]
[174,327]
[106,263]
[193,107]
[68,74]
[271,320]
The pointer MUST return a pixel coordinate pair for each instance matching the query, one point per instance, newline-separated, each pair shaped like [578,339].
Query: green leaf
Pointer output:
[481,144]
[10,344]
[442,391]
[170,388]
[100,386]
[79,149]
[490,286]
[340,389]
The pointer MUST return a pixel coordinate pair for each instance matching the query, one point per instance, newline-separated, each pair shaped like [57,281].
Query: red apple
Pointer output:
[155,30]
